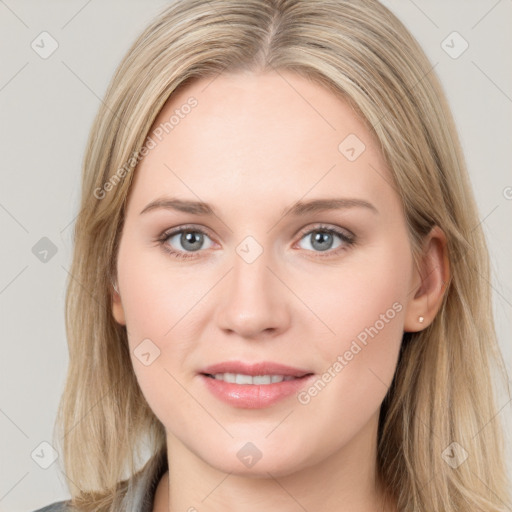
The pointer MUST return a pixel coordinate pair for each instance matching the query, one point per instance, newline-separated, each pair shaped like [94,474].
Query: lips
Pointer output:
[253,385]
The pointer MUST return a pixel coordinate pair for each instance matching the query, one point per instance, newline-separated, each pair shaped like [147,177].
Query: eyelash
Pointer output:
[347,239]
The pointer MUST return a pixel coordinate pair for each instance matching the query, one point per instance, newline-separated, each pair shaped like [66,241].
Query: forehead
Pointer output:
[262,135]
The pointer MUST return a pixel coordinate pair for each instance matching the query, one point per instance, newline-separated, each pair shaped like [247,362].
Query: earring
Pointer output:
[420,319]
[115,287]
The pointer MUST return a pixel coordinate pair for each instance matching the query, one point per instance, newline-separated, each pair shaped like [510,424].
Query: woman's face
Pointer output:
[261,281]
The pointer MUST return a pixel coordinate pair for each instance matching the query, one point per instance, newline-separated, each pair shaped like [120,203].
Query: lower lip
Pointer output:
[254,396]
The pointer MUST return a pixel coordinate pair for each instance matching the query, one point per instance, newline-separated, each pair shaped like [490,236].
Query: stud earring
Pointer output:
[115,287]
[420,319]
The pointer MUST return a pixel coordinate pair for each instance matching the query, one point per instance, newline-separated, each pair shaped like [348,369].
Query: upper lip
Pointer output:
[260,368]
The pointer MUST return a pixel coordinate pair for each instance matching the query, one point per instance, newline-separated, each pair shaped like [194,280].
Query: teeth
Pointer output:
[243,379]
[229,377]
[239,378]
[264,379]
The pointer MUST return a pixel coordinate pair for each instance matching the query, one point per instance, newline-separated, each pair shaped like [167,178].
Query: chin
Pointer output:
[248,461]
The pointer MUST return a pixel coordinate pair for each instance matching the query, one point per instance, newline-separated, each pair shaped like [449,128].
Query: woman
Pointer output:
[206,322]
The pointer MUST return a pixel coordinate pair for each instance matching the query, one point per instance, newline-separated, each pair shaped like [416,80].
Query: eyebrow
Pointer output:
[300,208]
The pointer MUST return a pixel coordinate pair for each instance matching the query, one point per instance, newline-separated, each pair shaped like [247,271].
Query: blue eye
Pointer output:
[322,239]
[191,239]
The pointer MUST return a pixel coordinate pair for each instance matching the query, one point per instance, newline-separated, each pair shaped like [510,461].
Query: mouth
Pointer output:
[243,379]
[253,386]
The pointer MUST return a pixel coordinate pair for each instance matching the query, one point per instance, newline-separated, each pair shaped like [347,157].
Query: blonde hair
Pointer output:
[442,391]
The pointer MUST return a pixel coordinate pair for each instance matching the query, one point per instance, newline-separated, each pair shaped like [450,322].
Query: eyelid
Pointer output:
[326,227]
[186,227]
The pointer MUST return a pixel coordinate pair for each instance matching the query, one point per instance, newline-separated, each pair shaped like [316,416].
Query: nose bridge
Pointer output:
[253,299]
[250,273]
[251,278]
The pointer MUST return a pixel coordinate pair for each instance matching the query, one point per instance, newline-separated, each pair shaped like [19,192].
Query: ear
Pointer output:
[117,306]
[429,282]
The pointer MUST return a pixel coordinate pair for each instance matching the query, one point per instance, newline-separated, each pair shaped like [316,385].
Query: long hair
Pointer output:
[442,392]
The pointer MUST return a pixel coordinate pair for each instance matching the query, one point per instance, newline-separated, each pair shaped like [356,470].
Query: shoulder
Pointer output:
[58,506]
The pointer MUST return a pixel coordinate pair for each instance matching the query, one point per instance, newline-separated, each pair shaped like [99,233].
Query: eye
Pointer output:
[186,239]
[323,239]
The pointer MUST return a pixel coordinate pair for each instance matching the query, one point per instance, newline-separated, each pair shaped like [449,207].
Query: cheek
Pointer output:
[364,304]
[157,295]
[362,298]
[160,304]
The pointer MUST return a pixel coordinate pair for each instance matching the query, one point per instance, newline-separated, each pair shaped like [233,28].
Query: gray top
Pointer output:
[140,494]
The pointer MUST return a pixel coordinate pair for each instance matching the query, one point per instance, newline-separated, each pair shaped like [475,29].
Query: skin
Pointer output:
[255,145]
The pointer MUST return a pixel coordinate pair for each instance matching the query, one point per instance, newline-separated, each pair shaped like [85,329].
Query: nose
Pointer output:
[254,303]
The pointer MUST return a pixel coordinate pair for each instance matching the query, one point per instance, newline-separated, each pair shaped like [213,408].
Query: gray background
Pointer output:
[47,107]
